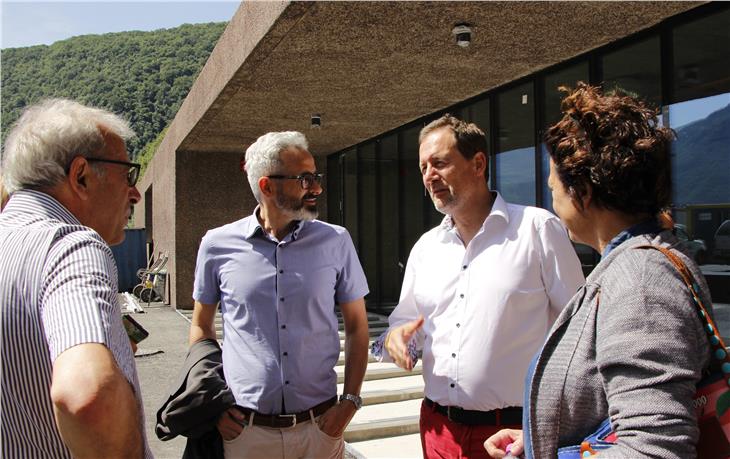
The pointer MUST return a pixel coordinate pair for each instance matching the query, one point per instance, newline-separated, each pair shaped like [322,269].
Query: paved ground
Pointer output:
[160,357]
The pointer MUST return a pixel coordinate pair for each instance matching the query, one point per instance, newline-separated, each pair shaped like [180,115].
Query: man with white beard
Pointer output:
[278,274]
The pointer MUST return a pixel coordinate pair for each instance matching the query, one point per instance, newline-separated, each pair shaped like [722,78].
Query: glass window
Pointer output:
[701,57]
[368,216]
[334,189]
[350,198]
[411,197]
[388,222]
[514,173]
[636,69]
[551,114]
[701,119]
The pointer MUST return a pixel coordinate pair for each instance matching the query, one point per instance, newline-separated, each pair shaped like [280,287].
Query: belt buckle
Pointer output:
[292,416]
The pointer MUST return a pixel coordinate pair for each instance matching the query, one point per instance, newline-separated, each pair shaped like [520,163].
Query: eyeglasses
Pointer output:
[132,173]
[306,180]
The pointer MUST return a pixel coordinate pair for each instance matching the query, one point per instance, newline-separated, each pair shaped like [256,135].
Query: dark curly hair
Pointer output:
[613,144]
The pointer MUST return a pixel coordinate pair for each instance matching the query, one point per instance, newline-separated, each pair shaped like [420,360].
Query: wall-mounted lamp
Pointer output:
[462,34]
[316,121]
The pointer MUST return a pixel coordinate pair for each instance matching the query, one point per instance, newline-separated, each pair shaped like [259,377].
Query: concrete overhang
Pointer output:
[368,67]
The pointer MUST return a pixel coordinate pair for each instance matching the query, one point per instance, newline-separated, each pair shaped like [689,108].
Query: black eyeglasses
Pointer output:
[306,180]
[132,173]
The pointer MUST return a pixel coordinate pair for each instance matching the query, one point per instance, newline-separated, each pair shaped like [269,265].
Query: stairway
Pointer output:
[387,424]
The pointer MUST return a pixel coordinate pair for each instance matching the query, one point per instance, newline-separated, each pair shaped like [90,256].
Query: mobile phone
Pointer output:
[135,331]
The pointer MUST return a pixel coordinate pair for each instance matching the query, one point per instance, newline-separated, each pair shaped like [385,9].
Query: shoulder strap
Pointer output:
[719,351]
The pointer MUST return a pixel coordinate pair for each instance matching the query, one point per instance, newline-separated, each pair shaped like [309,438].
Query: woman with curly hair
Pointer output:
[629,348]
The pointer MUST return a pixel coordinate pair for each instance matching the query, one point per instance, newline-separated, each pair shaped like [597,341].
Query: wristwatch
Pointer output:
[355,399]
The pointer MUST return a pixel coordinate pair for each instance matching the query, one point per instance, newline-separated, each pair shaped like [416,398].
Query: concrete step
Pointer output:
[390,390]
[370,343]
[373,331]
[378,421]
[341,358]
[398,447]
[378,370]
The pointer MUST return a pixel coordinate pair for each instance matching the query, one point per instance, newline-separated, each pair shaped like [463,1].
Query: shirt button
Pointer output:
[281,271]
[452,385]
[286,382]
[285,354]
[463,267]
[458,325]
[281,299]
[453,354]
[283,326]
[461,296]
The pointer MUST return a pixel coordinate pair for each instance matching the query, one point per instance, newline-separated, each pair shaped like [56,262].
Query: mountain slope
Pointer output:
[143,76]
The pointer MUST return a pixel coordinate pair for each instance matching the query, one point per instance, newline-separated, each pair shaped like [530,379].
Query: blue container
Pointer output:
[130,255]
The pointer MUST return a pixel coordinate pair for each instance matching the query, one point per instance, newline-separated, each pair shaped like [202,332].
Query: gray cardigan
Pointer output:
[628,346]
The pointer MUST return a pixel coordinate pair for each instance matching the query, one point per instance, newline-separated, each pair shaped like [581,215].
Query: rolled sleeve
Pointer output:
[406,311]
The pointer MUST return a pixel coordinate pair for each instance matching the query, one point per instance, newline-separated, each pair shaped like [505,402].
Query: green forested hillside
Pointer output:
[143,76]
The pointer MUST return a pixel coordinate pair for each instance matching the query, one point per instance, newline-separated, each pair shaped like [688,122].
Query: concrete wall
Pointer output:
[211,191]
[160,179]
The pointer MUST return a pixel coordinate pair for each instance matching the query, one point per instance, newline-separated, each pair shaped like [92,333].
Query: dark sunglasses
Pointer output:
[132,173]
[306,180]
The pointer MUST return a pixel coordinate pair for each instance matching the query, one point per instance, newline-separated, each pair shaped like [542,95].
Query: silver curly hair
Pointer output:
[263,157]
[49,135]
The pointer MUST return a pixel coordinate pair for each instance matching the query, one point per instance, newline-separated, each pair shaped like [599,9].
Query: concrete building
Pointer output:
[375,72]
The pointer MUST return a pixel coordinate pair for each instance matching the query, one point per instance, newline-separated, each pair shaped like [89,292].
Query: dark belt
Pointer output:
[280,421]
[498,417]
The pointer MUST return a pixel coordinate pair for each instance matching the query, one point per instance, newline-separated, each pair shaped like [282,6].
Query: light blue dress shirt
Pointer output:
[278,300]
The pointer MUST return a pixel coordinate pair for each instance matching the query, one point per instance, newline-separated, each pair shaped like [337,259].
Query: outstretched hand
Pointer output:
[396,343]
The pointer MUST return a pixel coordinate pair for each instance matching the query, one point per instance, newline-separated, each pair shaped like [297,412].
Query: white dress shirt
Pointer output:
[488,306]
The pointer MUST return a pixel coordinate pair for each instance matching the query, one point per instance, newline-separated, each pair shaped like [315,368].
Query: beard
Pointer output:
[295,208]
[443,204]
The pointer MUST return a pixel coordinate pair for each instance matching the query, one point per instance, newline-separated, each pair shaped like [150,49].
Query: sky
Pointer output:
[29,23]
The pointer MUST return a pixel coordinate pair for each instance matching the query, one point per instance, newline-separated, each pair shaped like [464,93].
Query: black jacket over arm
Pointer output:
[196,402]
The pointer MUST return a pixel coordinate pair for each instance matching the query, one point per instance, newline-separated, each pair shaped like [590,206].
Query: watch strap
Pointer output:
[355,399]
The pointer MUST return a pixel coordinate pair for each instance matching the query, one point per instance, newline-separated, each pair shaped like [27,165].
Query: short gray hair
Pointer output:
[49,135]
[263,157]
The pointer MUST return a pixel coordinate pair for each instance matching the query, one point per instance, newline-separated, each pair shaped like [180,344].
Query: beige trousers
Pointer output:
[303,441]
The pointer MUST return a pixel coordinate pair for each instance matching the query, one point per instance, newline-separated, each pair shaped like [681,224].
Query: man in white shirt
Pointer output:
[480,293]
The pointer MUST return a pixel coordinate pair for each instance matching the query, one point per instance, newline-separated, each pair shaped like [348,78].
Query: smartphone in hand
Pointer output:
[135,331]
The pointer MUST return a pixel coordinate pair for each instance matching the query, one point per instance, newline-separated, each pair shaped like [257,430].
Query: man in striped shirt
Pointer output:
[69,382]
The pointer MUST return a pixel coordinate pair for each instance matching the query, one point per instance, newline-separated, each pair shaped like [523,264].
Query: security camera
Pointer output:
[462,33]
[316,121]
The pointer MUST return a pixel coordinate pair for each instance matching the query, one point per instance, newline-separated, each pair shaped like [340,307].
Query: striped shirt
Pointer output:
[58,288]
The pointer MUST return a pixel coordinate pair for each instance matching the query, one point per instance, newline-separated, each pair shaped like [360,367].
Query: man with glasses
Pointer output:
[277,275]
[69,382]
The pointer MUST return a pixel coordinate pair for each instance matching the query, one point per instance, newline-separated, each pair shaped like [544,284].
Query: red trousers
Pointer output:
[445,439]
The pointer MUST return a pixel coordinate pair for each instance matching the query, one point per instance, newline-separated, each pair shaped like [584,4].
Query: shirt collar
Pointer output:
[40,204]
[253,227]
[499,210]
[650,226]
